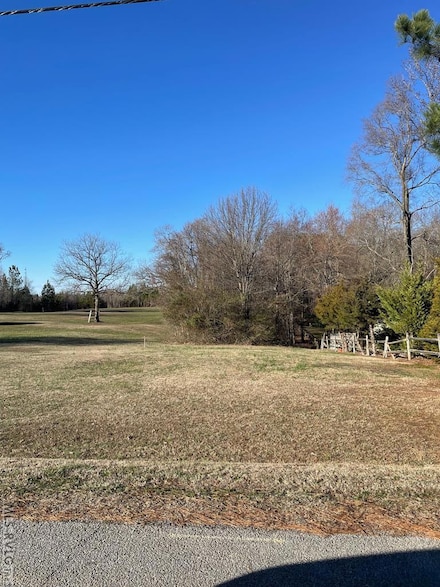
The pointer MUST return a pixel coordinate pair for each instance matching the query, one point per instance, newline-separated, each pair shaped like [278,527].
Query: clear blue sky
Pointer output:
[124,119]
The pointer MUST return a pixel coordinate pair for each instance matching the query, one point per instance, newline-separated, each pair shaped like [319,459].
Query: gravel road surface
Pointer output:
[71,554]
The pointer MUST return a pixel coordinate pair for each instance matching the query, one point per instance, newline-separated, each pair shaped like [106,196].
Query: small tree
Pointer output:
[406,305]
[92,264]
[48,297]
[348,306]
[432,324]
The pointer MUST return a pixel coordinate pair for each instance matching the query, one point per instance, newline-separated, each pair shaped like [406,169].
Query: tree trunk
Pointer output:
[291,329]
[408,238]
[96,307]
[406,218]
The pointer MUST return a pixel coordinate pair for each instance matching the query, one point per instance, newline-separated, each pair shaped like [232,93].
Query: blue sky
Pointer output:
[121,120]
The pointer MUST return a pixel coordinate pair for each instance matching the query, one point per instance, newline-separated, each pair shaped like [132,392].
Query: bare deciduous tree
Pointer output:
[286,276]
[93,264]
[238,227]
[330,255]
[392,159]
[179,260]
[376,233]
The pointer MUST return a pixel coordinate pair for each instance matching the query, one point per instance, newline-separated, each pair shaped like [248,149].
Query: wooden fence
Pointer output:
[368,345]
[409,351]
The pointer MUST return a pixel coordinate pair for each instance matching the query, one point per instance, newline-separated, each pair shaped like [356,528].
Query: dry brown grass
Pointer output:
[251,435]
[217,404]
[322,498]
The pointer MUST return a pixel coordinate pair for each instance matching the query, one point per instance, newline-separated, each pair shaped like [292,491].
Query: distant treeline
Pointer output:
[16,296]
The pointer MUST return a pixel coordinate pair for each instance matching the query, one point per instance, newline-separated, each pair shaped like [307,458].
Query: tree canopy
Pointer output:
[424,35]
[422,31]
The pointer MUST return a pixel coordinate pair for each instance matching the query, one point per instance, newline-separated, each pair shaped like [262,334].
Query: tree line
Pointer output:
[243,273]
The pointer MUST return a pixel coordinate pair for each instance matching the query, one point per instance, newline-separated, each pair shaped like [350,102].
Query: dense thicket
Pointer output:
[242,272]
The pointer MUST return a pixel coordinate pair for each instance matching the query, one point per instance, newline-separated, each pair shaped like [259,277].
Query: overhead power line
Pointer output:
[72,7]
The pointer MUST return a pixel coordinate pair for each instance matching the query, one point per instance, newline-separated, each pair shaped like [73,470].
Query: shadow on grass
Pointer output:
[66,340]
[18,323]
[405,569]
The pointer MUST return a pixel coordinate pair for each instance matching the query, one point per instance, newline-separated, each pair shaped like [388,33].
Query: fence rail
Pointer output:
[410,350]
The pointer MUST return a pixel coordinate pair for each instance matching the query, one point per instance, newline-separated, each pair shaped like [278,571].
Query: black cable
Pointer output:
[72,7]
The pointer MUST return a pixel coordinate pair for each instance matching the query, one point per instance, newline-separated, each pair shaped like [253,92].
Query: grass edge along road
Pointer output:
[96,426]
[321,499]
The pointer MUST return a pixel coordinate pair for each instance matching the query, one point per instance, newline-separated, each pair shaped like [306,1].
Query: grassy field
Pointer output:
[98,424]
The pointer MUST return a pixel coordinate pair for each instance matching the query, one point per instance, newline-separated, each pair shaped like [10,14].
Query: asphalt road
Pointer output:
[101,555]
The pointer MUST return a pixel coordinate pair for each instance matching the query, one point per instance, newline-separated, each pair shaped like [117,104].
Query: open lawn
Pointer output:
[95,424]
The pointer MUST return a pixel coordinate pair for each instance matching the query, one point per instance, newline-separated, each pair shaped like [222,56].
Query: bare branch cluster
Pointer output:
[3,252]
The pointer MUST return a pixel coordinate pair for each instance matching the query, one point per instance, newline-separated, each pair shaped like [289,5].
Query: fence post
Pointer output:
[385,348]
[367,346]
[373,341]
[344,342]
[408,346]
